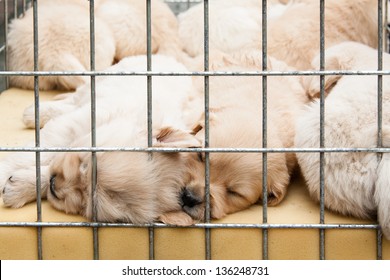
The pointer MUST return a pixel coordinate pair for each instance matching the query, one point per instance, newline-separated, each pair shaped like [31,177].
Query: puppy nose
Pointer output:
[189,199]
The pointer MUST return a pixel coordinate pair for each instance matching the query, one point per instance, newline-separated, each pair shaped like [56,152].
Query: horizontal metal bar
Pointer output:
[196,150]
[200,225]
[197,73]
[182,1]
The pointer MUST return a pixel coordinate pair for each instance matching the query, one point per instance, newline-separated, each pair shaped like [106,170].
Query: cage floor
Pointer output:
[175,243]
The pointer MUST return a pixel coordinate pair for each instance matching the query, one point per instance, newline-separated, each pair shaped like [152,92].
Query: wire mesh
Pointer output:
[177,6]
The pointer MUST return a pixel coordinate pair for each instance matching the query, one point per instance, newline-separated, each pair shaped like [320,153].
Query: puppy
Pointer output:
[233,24]
[236,122]
[355,183]
[294,37]
[63,45]
[127,21]
[131,186]
[120,120]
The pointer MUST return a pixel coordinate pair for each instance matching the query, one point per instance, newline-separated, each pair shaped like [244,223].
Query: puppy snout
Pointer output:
[189,199]
[53,186]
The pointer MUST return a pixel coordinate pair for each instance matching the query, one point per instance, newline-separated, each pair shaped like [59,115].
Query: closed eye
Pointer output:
[53,186]
[200,157]
[231,192]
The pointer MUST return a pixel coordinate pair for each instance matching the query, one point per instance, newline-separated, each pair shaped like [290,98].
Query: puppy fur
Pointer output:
[233,24]
[127,21]
[121,109]
[236,122]
[131,187]
[294,37]
[63,40]
[355,183]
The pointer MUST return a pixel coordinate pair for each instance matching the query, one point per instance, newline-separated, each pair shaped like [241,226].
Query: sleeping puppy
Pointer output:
[294,37]
[131,186]
[356,184]
[63,45]
[127,21]
[233,24]
[236,122]
[121,116]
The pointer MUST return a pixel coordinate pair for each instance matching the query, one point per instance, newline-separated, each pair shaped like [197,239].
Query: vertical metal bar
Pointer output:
[24,7]
[380,99]
[6,41]
[379,250]
[149,102]
[93,129]
[264,128]
[386,20]
[322,128]
[15,9]
[207,127]
[37,126]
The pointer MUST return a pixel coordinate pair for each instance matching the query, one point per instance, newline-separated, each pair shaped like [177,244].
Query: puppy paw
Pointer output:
[47,111]
[20,188]
[29,117]
[178,218]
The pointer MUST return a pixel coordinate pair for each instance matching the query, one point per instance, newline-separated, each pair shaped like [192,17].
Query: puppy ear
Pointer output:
[311,84]
[71,165]
[176,138]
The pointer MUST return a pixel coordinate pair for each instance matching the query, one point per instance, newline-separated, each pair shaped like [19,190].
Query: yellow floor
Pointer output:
[174,243]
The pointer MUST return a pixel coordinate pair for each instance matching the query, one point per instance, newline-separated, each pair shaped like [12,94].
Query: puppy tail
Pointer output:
[382,188]
[68,62]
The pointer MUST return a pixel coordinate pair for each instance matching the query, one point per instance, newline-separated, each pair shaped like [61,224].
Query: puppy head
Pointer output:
[235,178]
[68,191]
[131,186]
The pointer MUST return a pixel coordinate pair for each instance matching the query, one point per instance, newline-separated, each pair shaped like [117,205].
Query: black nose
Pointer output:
[189,199]
[53,185]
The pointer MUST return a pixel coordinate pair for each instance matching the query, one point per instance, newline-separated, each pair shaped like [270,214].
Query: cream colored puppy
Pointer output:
[355,183]
[233,24]
[121,106]
[63,45]
[127,20]
[294,37]
[236,122]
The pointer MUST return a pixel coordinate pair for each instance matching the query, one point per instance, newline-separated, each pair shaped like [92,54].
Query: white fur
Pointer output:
[127,20]
[63,45]
[355,183]
[118,98]
[233,24]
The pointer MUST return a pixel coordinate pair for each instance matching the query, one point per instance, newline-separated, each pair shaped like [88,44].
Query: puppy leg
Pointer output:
[20,188]
[178,218]
[47,111]
[278,178]
[68,62]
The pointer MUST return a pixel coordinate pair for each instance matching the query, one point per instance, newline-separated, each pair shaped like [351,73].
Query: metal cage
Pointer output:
[10,9]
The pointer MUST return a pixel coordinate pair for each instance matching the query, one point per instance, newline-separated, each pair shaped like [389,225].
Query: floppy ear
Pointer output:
[176,138]
[311,84]
[71,165]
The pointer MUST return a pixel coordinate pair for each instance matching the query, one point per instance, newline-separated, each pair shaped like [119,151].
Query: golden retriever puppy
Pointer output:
[233,24]
[63,45]
[121,105]
[236,122]
[294,37]
[131,186]
[356,184]
[127,20]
